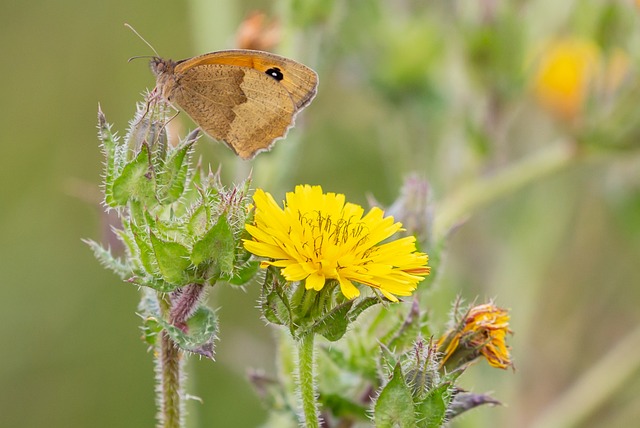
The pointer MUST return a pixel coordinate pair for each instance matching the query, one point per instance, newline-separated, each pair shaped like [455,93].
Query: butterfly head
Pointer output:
[161,66]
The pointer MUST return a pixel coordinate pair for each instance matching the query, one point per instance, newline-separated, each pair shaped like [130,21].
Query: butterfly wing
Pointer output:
[243,107]
[298,79]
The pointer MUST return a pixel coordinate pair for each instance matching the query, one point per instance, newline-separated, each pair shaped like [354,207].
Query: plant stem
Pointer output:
[545,162]
[170,372]
[597,385]
[169,366]
[306,383]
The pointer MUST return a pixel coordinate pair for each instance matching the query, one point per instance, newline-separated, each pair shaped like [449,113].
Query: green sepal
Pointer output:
[201,332]
[217,245]
[107,260]
[274,302]
[334,324]
[135,181]
[243,274]
[172,175]
[432,411]
[172,259]
[361,306]
[394,406]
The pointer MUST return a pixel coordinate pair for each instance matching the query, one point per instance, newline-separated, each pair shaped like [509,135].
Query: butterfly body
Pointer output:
[248,99]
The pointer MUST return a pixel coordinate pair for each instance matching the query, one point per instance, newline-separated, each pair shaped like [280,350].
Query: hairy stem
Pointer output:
[169,368]
[306,384]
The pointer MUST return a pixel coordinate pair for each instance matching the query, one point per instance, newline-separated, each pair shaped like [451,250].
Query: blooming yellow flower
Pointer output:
[317,237]
[482,331]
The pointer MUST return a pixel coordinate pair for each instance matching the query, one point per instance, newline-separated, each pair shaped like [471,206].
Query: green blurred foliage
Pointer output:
[442,88]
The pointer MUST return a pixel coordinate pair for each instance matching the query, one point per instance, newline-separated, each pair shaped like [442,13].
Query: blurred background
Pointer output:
[456,91]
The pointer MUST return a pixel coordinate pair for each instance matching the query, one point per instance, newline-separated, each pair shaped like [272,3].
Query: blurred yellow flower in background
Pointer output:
[318,237]
[565,72]
[569,71]
[481,331]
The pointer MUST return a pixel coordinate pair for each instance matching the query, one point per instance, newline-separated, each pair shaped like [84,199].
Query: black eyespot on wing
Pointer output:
[276,73]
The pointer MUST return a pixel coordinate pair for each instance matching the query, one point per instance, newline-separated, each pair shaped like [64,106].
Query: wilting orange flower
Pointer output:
[254,33]
[318,237]
[482,331]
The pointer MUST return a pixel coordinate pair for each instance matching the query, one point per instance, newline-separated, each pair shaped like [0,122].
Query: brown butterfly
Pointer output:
[246,98]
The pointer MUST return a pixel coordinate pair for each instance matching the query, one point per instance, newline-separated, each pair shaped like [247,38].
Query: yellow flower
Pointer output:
[318,237]
[564,76]
[482,331]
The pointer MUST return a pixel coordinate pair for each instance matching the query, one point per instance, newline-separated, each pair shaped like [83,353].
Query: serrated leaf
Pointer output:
[135,181]
[394,407]
[217,245]
[172,259]
[199,334]
[334,324]
[173,174]
[432,411]
[113,156]
[107,260]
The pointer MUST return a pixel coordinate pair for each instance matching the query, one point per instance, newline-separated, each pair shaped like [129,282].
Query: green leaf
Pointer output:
[432,411]
[218,245]
[114,156]
[149,311]
[107,260]
[243,274]
[156,284]
[173,175]
[199,333]
[135,181]
[334,324]
[199,219]
[144,250]
[172,259]
[394,407]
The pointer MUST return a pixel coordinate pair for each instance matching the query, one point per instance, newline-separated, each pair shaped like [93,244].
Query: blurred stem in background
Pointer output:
[475,194]
[595,386]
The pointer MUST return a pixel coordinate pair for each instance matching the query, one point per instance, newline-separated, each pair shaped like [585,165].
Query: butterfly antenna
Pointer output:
[142,38]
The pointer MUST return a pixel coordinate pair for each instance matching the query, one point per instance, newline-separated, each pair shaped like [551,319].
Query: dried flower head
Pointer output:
[481,331]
